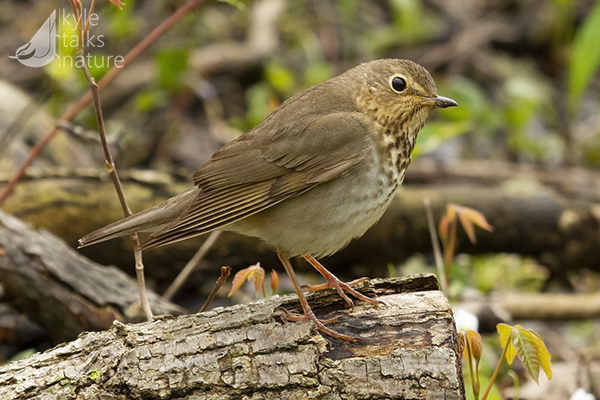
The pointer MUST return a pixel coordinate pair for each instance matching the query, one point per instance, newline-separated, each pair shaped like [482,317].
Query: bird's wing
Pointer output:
[259,170]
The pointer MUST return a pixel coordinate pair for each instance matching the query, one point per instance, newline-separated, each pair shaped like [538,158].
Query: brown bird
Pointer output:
[314,174]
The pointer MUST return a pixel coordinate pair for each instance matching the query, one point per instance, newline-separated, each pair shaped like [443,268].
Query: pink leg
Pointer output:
[308,313]
[334,283]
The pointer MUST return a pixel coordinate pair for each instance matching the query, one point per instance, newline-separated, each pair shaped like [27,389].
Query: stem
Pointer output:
[225,271]
[87,22]
[436,246]
[496,371]
[474,378]
[139,274]
[449,249]
[191,266]
[112,171]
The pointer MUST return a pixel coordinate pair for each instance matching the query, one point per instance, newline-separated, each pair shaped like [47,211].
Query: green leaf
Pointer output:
[258,98]
[434,133]
[281,78]
[316,72]
[473,101]
[505,332]
[172,64]
[239,4]
[123,23]
[149,100]
[23,354]
[543,353]
[527,351]
[585,56]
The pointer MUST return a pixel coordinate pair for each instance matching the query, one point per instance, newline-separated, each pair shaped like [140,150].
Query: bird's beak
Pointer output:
[438,102]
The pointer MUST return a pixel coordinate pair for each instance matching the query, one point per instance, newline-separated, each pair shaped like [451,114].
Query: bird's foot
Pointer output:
[309,315]
[334,283]
[320,324]
[294,317]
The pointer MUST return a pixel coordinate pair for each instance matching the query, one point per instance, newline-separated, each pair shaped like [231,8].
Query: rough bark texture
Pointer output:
[245,352]
[62,290]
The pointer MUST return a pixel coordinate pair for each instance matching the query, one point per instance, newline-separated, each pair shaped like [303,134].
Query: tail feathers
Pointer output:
[150,220]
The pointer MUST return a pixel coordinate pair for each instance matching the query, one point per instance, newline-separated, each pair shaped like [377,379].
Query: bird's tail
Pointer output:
[150,220]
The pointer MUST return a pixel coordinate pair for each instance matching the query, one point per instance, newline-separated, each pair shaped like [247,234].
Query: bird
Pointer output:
[317,172]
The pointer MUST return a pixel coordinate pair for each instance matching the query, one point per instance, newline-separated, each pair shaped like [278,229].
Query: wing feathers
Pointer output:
[257,171]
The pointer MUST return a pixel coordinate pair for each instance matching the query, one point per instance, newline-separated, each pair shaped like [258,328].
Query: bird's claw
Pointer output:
[294,317]
[341,288]
[319,323]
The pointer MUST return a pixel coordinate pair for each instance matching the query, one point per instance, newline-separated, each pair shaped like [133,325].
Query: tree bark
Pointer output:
[409,351]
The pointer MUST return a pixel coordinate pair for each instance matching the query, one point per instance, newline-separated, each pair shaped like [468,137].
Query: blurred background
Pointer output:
[523,147]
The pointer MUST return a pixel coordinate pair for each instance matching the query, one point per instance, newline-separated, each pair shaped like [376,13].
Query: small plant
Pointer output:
[257,273]
[515,340]
[468,218]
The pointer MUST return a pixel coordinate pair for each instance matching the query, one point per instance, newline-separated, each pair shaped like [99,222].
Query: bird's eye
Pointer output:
[398,84]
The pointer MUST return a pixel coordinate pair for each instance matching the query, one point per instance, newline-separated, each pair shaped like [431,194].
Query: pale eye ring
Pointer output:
[398,83]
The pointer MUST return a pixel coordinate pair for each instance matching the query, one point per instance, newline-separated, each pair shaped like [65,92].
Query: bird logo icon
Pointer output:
[41,49]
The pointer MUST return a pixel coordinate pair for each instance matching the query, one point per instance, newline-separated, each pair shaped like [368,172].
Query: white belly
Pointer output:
[324,219]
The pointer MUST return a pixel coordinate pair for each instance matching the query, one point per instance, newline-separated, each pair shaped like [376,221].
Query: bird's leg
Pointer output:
[309,315]
[334,283]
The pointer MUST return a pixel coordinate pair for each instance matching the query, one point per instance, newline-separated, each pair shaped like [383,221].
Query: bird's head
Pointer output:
[398,94]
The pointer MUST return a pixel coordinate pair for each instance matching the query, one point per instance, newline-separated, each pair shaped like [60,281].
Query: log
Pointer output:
[62,290]
[550,306]
[246,351]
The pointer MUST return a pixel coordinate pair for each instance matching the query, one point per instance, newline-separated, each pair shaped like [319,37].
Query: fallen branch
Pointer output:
[62,290]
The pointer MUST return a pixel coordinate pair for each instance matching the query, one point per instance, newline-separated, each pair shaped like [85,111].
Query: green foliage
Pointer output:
[411,25]
[580,334]
[97,67]
[411,21]
[258,98]
[67,46]
[239,4]
[317,71]
[279,84]
[172,65]
[23,354]
[280,78]
[585,57]
[484,380]
[148,100]
[435,133]
[473,105]
[123,23]
[505,272]
[528,96]
[525,97]
[501,272]
[515,341]
[528,346]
